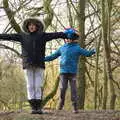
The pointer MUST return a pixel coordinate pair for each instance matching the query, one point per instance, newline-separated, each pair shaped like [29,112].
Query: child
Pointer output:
[69,54]
[33,41]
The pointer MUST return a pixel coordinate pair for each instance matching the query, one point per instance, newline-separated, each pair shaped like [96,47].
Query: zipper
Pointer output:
[34,52]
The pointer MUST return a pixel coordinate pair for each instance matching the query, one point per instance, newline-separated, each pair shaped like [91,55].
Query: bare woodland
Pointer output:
[98,79]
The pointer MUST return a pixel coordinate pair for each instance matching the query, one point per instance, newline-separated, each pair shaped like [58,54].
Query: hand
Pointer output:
[93,51]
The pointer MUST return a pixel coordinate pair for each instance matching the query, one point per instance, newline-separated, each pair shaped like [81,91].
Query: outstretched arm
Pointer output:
[53,56]
[10,37]
[69,33]
[87,53]
[54,35]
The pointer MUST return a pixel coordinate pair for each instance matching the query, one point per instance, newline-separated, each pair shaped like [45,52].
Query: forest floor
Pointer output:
[62,115]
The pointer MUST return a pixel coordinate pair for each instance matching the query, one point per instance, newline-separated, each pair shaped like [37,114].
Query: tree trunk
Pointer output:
[81,65]
[106,11]
[96,84]
[105,90]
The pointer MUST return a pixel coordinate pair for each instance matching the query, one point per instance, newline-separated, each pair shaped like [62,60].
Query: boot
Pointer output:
[33,106]
[75,109]
[39,106]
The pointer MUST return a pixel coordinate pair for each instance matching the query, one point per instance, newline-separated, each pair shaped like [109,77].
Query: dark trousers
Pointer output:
[64,79]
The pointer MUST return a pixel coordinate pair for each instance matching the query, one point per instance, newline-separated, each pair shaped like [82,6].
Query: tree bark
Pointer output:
[106,28]
[81,65]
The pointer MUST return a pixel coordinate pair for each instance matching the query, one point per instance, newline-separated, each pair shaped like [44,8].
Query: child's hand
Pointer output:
[93,51]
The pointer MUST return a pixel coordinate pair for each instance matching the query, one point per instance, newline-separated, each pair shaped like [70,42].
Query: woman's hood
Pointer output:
[35,21]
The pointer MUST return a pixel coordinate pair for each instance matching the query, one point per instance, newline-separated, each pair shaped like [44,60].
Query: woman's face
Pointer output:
[32,27]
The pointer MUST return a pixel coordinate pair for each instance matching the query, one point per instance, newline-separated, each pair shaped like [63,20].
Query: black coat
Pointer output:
[33,46]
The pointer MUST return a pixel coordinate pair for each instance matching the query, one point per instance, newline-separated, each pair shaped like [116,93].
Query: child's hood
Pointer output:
[35,21]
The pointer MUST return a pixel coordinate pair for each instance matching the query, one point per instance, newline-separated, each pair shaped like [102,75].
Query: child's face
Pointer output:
[32,27]
[70,41]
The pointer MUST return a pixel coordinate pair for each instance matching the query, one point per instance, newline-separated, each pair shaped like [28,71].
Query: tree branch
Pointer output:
[13,50]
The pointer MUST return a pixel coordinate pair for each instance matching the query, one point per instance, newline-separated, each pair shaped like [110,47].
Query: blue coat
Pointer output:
[69,55]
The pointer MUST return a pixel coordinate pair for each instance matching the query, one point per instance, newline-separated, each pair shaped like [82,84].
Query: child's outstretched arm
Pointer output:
[69,33]
[87,53]
[53,56]
[10,37]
